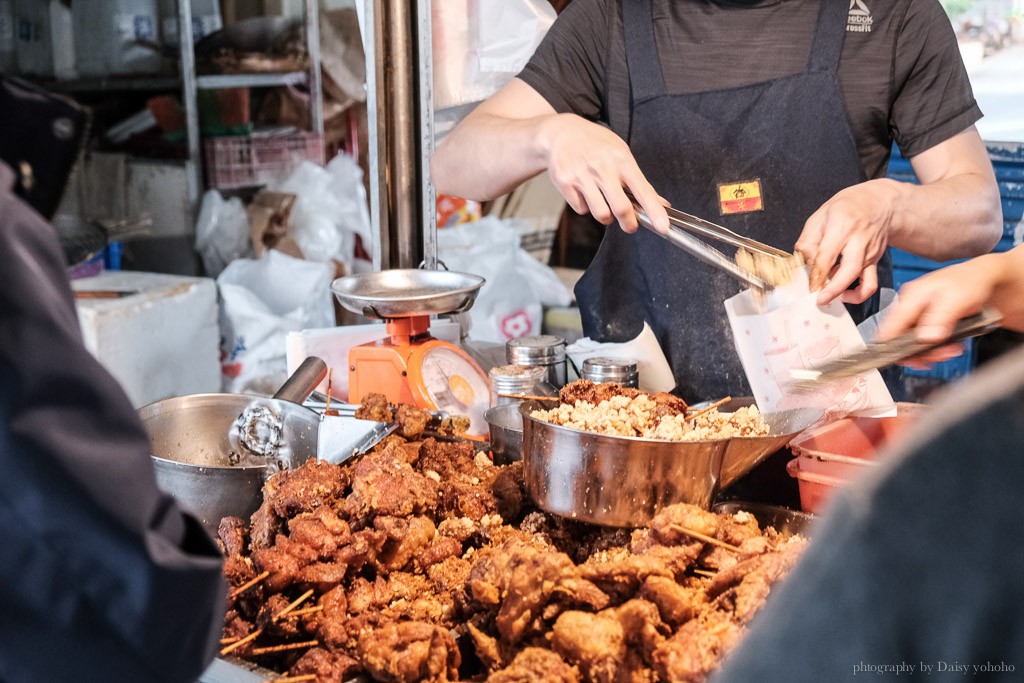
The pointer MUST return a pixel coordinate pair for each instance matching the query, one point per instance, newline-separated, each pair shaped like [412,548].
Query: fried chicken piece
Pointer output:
[316,483]
[697,648]
[448,459]
[283,567]
[666,527]
[536,665]
[406,539]
[331,624]
[620,573]
[235,626]
[668,405]
[744,588]
[596,643]
[385,485]
[238,570]
[265,524]
[328,666]
[323,576]
[463,499]
[676,604]
[364,595]
[450,575]
[411,420]
[231,532]
[641,622]
[364,549]
[375,407]
[440,550]
[282,628]
[585,390]
[323,530]
[410,651]
[738,528]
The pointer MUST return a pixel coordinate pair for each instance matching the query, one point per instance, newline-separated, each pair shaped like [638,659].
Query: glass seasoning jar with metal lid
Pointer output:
[545,350]
[509,381]
[619,370]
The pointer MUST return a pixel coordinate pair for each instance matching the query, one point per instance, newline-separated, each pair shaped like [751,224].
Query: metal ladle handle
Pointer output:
[303,381]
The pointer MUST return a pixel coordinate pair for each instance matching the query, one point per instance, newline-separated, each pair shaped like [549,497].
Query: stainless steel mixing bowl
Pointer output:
[189,440]
[623,482]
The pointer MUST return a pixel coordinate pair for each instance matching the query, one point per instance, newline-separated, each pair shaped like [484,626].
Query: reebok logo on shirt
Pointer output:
[859,20]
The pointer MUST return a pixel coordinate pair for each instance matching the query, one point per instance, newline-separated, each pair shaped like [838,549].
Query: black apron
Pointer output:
[781,147]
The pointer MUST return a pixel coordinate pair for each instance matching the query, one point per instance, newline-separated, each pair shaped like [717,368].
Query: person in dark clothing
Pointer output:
[772,117]
[104,577]
[918,568]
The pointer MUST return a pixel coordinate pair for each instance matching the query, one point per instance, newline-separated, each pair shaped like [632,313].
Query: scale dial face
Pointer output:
[452,382]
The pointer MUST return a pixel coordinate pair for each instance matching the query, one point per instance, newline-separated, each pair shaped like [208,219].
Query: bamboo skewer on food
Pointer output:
[709,408]
[248,584]
[298,601]
[285,647]
[304,612]
[530,397]
[704,572]
[239,643]
[703,537]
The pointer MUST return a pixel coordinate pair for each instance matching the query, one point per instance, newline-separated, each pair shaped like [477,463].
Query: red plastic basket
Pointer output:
[248,161]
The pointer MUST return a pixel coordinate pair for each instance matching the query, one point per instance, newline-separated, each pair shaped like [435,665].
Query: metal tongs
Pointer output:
[881,354]
[682,224]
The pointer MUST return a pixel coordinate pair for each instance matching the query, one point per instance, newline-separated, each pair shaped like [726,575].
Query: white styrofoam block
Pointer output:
[160,342]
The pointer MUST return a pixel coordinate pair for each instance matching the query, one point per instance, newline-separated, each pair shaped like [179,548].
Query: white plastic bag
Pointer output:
[510,302]
[479,45]
[222,232]
[261,302]
[331,210]
[795,333]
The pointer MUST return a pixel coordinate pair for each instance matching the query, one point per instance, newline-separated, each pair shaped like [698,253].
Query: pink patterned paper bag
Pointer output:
[789,330]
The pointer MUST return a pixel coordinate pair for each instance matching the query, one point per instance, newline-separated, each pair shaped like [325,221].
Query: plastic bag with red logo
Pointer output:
[510,304]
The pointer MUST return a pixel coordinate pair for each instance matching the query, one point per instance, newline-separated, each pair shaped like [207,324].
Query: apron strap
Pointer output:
[828,36]
[642,61]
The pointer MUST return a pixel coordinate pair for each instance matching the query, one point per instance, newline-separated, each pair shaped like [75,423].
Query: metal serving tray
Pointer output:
[404,293]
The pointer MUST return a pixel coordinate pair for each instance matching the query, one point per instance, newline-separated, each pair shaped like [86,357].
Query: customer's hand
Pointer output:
[590,165]
[931,305]
[844,240]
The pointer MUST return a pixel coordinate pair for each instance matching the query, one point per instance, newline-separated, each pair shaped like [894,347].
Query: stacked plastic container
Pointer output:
[833,455]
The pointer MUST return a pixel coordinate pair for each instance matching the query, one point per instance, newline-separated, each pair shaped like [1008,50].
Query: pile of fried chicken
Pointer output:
[427,563]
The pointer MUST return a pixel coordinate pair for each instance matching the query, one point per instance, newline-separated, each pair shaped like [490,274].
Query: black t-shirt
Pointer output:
[901,73]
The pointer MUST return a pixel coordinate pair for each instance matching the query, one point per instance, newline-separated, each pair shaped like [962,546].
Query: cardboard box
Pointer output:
[159,340]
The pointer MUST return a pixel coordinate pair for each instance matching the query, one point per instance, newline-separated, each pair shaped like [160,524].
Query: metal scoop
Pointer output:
[259,428]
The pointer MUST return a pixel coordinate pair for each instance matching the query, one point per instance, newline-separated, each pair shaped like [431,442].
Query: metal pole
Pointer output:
[316,108]
[428,216]
[193,173]
[373,45]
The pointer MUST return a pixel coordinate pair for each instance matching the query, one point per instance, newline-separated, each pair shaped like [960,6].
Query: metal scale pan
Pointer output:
[407,293]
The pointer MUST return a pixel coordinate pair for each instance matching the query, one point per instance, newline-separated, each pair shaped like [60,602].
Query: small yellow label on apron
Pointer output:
[740,197]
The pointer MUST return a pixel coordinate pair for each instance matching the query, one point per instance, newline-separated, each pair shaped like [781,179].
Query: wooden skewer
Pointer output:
[285,647]
[298,601]
[703,572]
[701,537]
[530,397]
[248,584]
[330,381]
[239,643]
[292,679]
[228,641]
[709,408]
[304,612]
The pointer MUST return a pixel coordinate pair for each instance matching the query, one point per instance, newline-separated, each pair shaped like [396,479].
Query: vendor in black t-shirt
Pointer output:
[774,118]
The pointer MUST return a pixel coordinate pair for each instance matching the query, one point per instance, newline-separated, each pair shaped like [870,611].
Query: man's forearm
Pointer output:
[953,218]
[486,156]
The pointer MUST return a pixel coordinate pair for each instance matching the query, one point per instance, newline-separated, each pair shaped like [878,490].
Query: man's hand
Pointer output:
[590,165]
[844,240]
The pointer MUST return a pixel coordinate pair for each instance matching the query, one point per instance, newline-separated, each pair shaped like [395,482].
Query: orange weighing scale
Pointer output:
[408,365]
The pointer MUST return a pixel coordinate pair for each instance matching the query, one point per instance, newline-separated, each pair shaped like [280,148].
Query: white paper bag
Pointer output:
[794,332]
